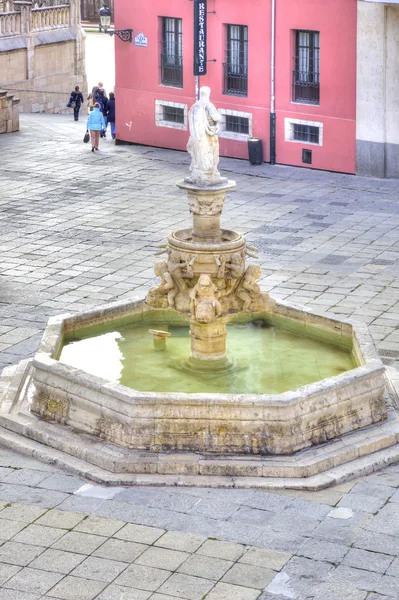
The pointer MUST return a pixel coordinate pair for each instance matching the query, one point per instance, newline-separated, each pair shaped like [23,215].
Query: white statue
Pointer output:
[203,144]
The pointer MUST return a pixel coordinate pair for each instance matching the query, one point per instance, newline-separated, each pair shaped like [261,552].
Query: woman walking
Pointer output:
[95,124]
[111,113]
[75,101]
[91,98]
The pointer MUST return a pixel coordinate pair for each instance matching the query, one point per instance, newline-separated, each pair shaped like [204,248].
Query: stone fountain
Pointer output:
[309,436]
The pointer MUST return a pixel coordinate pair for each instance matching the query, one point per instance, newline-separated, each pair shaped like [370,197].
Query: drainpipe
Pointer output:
[272,88]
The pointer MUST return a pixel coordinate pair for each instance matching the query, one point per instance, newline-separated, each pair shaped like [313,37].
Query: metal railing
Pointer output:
[235,80]
[305,87]
[172,70]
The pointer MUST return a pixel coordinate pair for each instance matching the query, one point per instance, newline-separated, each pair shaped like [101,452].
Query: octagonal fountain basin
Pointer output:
[262,357]
[242,408]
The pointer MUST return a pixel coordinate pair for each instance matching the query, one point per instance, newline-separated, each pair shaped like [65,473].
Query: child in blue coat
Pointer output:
[95,124]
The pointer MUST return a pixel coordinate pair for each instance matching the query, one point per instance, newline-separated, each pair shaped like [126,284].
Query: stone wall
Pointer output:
[378,89]
[42,53]
[9,112]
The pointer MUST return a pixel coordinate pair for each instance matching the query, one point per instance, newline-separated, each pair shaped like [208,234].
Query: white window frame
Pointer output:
[289,130]
[230,135]
[160,121]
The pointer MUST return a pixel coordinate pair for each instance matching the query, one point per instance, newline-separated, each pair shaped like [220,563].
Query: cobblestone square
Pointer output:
[78,230]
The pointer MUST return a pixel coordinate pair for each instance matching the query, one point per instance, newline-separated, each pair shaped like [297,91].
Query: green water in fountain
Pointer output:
[261,359]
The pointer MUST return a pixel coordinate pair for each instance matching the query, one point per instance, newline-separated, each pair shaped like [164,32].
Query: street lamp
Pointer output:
[126,35]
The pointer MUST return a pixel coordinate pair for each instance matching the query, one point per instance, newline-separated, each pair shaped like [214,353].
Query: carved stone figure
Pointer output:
[189,266]
[175,267]
[167,287]
[204,305]
[221,265]
[248,289]
[203,144]
[235,266]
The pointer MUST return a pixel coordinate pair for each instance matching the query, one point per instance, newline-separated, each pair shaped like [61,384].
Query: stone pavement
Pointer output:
[79,229]
[63,538]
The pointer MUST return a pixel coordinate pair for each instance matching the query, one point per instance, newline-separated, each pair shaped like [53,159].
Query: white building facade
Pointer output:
[377,129]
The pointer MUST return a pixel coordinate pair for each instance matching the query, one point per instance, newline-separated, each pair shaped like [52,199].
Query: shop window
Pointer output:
[306,74]
[235,69]
[172,52]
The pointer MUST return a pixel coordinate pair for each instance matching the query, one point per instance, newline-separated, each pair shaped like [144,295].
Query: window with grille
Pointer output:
[306,75]
[173,114]
[237,124]
[306,133]
[236,66]
[172,52]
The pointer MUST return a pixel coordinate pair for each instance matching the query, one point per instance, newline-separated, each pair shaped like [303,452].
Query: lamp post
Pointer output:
[126,35]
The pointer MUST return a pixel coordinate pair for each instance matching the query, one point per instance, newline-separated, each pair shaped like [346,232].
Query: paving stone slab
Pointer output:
[205,566]
[249,576]
[226,591]
[99,526]
[33,580]
[99,569]
[176,540]
[186,587]
[369,561]
[118,592]
[76,588]
[219,549]
[37,535]
[261,557]
[163,558]
[81,543]
[57,561]
[22,512]
[7,571]
[143,578]
[19,554]
[139,533]
[122,550]
[60,519]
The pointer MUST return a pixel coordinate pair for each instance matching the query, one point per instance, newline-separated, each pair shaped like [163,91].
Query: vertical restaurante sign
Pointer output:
[199,37]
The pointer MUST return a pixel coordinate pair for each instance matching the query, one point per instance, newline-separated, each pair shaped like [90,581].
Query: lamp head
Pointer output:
[105,17]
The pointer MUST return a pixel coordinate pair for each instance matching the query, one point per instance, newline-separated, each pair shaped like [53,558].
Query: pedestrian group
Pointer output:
[101,112]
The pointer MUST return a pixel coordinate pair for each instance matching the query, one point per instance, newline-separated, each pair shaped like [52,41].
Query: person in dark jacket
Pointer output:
[111,113]
[75,101]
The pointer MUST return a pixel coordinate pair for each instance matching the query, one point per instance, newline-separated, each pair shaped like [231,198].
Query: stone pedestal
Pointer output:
[208,340]
[206,206]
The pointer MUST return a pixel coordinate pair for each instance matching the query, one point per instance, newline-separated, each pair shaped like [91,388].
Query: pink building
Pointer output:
[315,76]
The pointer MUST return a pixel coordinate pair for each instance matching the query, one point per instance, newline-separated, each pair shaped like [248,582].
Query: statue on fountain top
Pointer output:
[203,145]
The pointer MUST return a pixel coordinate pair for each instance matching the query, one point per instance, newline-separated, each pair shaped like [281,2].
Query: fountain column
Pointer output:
[205,277]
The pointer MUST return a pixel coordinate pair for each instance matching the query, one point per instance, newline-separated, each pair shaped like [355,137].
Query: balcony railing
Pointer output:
[172,70]
[235,80]
[10,23]
[50,17]
[305,87]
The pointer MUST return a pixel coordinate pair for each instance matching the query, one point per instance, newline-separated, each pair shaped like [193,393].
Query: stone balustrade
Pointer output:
[50,17]
[10,23]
